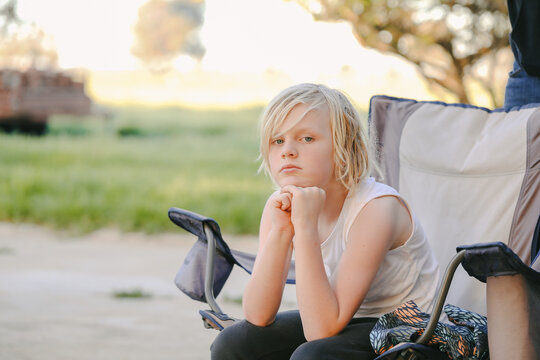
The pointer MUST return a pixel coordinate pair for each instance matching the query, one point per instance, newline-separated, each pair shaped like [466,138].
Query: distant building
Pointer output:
[28,98]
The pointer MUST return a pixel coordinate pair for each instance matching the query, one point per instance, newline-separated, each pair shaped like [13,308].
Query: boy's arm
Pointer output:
[326,309]
[263,293]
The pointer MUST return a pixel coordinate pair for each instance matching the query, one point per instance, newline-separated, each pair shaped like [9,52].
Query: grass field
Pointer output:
[126,171]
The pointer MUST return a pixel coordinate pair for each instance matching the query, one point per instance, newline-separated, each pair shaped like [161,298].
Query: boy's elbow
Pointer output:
[317,334]
[258,319]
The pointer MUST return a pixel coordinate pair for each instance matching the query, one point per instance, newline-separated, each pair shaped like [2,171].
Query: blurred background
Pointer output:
[113,111]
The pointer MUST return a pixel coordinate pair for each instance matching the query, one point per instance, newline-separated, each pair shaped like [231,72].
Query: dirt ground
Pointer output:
[57,296]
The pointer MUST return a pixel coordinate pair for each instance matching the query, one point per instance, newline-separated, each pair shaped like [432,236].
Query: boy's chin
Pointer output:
[293,182]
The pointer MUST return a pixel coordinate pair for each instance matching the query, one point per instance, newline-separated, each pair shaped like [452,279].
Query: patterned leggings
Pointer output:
[284,340]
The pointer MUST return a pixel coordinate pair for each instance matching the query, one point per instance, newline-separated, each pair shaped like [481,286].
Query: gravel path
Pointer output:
[57,296]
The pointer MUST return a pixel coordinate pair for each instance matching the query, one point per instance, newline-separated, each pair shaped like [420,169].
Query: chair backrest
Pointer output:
[470,174]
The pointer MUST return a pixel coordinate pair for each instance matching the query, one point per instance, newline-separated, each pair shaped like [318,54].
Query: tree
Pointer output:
[8,14]
[451,42]
[166,29]
[23,45]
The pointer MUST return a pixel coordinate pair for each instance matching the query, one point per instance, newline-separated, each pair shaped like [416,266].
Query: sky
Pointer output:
[253,50]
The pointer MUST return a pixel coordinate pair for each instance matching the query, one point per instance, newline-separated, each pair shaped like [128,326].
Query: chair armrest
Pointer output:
[192,222]
[513,289]
[494,259]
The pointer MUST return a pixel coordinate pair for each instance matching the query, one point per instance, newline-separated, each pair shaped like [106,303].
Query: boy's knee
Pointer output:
[232,342]
[311,350]
[227,344]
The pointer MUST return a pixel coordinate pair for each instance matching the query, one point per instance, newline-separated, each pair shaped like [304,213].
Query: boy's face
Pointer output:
[303,155]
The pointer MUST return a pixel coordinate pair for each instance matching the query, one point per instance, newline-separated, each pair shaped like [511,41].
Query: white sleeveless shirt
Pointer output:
[408,272]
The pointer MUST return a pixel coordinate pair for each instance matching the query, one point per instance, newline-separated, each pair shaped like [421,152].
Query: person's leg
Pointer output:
[245,341]
[521,89]
[352,343]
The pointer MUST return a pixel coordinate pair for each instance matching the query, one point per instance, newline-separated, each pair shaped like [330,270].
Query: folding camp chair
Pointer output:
[208,265]
[472,176]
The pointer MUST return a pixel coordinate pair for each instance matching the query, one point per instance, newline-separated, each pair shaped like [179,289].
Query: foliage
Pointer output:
[166,29]
[4,250]
[23,45]
[83,180]
[132,294]
[8,14]
[450,41]
[129,131]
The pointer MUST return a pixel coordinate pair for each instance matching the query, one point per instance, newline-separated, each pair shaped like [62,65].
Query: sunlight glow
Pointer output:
[254,49]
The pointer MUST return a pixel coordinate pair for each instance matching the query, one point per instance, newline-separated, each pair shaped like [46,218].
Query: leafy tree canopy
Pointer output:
[452,42]
[23,45]
[166,29]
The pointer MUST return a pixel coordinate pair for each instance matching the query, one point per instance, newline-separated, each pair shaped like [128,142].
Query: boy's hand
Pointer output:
[281,212]
[306,204]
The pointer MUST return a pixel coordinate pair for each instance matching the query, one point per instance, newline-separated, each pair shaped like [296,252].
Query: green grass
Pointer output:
[127,170]
[4,250]
[131,294]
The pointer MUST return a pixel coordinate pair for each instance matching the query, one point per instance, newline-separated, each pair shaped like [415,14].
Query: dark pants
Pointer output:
[284,340]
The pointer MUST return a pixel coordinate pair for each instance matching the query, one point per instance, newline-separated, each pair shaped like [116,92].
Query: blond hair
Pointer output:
[352,153]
